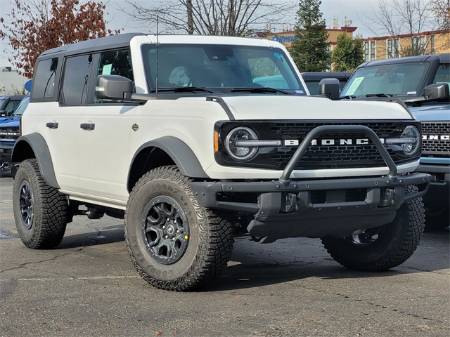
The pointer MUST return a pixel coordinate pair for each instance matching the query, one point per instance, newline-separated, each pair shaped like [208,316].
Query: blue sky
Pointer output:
[359,11]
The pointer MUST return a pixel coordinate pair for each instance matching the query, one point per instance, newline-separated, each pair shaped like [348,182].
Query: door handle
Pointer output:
[87,126]
[52,125]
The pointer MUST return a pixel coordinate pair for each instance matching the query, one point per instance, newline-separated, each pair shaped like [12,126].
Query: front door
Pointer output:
[97,131]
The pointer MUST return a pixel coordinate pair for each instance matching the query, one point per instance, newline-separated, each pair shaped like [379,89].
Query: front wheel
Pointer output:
[174,243]
[382,248]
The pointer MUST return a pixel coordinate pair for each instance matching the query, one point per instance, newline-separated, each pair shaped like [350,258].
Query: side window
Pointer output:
[75,87]
[443,74]
[115,62]
[45,79]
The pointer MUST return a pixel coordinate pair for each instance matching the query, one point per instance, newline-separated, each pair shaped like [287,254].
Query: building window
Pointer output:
[373,50]
[418,45]
[432,45]
[393,48]
[370,50]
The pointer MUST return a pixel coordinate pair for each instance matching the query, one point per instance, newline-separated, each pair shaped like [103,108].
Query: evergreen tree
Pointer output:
[310,48]
[348,54]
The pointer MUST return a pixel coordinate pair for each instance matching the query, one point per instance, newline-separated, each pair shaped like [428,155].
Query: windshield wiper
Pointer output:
[347,97]
[184,89]
[379,95]
[261,90]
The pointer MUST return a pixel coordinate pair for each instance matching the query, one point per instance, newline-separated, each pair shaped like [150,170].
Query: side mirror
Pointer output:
[436,92]
[114,87]
[330,88]
[2,113]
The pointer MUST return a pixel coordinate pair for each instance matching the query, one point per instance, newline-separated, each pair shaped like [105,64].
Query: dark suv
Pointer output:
[422,83]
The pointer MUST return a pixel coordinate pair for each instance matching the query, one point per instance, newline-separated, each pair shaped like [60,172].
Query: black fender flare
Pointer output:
[42,154]
[180,153]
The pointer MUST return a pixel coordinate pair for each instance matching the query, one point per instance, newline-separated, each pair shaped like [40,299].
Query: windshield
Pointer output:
[219,68]
[21,108]
[2,103]
[10,107]
[402,79]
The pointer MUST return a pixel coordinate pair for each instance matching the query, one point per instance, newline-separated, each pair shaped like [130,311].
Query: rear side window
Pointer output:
[45,79]
[76,85]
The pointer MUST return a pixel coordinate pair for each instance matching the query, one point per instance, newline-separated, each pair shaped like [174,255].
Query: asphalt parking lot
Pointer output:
[87,287]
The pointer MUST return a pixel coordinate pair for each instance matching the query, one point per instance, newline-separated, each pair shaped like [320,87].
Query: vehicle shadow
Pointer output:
[255,265]
[102,236]
[247,269]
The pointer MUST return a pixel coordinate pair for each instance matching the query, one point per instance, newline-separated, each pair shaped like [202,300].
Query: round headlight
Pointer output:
[412,140]
[240,134]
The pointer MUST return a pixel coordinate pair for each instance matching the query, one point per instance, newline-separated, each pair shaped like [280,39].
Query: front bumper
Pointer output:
[317,207]
[313,208]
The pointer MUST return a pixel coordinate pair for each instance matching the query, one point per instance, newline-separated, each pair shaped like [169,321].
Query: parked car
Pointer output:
[413,80]
[9,132]
[312,80]
[178,135]
[9,104]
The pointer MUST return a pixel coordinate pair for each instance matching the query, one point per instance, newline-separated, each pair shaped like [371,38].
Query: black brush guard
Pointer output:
[289,208]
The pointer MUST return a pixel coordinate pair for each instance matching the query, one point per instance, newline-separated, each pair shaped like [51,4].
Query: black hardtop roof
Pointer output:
[442,58]
[321,75]
[114,41]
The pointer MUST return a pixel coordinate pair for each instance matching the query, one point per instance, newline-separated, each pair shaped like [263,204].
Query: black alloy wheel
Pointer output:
[166,230]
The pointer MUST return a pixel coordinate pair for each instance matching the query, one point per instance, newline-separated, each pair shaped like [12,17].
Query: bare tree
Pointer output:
[441,11]
[33,26]
[210,17]
[411,17]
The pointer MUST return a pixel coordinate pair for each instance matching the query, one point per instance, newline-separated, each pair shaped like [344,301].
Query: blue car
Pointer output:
[9,132]
[422,84]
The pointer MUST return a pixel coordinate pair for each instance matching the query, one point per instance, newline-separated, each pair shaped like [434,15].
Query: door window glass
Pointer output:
[115,62]
[75,89]
[443,74]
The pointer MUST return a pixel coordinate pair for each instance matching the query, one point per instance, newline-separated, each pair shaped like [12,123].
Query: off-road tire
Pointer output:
[398,242]
[50,209]
[211,236]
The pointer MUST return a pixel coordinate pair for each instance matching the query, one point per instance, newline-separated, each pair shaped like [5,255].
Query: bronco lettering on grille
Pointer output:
[330,142]
[445,138]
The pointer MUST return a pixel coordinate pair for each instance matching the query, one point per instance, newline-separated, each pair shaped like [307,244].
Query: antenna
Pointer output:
[157,55]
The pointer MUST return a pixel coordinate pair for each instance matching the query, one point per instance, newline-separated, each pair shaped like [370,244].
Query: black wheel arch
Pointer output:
[164,151]
[35,146]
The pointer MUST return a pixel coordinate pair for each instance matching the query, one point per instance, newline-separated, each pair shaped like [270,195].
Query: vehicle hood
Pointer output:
[4,119]
[11,122]
[314,108]
[431,113]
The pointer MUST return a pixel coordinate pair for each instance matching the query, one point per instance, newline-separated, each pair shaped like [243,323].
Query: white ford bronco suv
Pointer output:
[194,140]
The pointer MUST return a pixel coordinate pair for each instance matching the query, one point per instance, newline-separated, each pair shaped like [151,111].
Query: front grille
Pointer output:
[436,139]
[328,157]
[9,133]
[322,156]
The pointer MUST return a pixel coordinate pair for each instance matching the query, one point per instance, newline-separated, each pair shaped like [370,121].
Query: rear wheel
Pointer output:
[381,248]
[174,243]
[40,211]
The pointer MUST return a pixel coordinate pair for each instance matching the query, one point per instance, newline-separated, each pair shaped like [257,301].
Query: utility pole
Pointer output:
[190,17]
